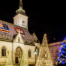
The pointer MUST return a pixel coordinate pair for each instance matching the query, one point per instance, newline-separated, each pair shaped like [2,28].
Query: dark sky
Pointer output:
[44,17]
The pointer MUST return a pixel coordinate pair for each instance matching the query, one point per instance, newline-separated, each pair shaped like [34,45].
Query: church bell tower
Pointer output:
[21,19]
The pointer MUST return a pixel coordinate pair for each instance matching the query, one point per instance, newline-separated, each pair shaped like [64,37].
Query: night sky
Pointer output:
[44,17]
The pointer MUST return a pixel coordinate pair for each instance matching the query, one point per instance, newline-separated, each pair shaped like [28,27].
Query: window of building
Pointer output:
[56,49]
[52,55]
[29,53]
[57,54]
[3,51]
[16,23]
[51,49]
[23,23]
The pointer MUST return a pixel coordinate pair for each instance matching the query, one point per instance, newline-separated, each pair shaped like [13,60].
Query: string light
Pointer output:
[62,53]
[62,43]
[63,62]
[65,38]
[59,59]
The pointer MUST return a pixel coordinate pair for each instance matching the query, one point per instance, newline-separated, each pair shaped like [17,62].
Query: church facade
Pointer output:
[15,37]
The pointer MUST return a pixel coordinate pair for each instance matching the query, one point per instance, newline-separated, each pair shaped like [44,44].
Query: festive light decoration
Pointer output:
[61,49]
[65,56]
[44,58]
[63,62]
[64,46]
[62,53]
[24,59]
[59,59]
[9,60]
[65,38]
[59,54]
[62,43]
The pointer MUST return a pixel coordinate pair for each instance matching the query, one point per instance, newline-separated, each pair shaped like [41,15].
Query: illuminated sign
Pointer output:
[4,28]
[18,29]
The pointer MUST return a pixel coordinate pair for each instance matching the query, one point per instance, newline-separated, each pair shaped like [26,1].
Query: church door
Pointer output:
[18,55]
[16,59]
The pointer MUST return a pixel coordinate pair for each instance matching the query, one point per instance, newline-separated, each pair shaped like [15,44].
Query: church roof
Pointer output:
[34,37]
[9,29]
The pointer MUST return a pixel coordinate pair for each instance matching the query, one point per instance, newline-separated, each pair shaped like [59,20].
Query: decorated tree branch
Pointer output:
[62,54]
[44,58]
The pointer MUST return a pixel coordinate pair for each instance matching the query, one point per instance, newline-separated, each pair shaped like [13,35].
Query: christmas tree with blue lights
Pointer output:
[62,53]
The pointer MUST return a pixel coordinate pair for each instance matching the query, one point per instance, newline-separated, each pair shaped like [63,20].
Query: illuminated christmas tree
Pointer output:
[24,60]
[44,58]
[9,60]
[62,53]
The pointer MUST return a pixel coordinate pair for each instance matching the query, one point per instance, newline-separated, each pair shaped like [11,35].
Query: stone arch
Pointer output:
[19,47]
[29,53]
[3,51]
[18,54]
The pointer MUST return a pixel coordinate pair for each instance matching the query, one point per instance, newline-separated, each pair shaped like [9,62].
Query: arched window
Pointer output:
[3,51]
[29,53]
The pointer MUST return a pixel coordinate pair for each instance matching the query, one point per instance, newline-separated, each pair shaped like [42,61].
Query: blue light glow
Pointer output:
[16,23]
[64,46]
[65,56]
[59,59]
[35,52]
[65,38]
[63,52]
[59,54]
[62,43]
[63,62]
[23,23]
[61,48]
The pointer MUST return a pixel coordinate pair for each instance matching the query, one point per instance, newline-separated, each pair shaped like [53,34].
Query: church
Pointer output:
[15,38]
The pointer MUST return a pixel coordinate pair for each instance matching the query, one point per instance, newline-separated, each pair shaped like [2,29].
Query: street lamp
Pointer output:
[35,52]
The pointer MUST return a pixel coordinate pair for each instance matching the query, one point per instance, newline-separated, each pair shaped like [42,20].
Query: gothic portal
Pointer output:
[18,54]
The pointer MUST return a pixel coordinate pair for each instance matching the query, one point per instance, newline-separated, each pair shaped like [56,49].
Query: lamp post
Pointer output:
[35,52]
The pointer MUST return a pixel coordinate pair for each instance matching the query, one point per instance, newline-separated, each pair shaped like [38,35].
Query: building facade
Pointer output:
[54,49]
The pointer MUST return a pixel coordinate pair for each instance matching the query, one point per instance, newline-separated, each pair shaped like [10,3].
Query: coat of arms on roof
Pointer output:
[4,28]
[19,29]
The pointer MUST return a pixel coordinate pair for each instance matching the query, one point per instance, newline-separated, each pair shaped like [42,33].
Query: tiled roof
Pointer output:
[12,31]
[34,37]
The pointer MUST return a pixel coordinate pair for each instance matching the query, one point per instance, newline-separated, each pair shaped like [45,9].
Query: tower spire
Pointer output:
[20,10]
[21,4]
